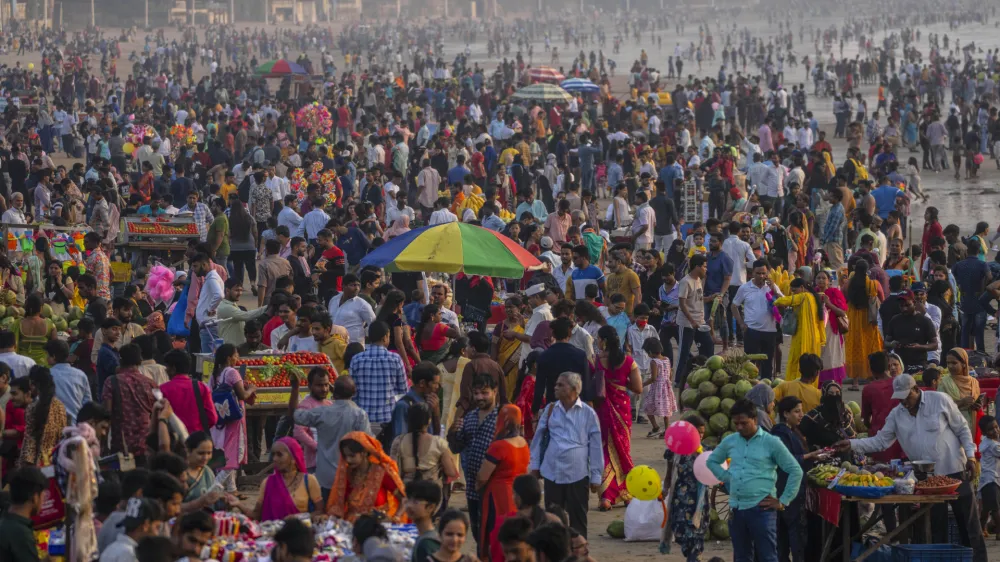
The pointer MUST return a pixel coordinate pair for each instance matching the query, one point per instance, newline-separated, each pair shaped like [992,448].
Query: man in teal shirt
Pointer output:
[754,457]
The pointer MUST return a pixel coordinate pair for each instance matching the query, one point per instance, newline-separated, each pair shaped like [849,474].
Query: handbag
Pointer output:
[218,459]
[873,310]
[226,404]
[789,322]
[544,443]
[842,324]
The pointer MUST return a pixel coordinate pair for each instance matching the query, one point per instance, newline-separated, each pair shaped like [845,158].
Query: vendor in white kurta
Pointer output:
[929,427]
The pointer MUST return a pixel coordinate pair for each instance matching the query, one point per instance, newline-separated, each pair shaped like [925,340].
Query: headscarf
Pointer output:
[508,422]
[965,382]
[296,450]
[155,323]
[399,226]
[362,498]
[828,166]
[762,395]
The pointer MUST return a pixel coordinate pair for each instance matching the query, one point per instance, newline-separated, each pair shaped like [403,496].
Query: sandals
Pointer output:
[605,505]
[655,434]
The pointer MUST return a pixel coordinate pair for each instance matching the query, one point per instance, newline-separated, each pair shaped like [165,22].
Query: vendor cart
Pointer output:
[162,235]
[262,370]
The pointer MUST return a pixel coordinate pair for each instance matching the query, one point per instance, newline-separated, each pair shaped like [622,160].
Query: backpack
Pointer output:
[860,172]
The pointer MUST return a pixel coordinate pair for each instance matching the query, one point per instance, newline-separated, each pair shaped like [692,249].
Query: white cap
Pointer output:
[901,386]
[534,290]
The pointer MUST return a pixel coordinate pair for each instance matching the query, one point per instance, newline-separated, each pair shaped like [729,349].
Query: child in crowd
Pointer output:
[698,245]
[639,332]
[989,490]
[660,400]
[423,497]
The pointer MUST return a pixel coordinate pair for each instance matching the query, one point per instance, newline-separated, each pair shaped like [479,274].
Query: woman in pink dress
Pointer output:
[621,375]
[232,437]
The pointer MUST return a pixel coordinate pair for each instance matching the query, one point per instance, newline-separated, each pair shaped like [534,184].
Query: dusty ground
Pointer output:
[962,202]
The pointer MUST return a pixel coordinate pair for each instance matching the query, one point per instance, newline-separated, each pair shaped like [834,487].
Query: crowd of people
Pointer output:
[290,190]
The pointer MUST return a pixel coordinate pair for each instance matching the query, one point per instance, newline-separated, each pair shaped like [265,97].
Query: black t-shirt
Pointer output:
[666,215]
[915,328]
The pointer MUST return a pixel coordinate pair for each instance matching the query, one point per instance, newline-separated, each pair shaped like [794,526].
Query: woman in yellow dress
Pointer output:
[863,338]
[810,332]
[507,351]
[451,377]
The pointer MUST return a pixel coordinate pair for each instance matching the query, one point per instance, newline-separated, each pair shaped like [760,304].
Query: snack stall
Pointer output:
[163,234]
[835,490]
[65,242]
[271,372]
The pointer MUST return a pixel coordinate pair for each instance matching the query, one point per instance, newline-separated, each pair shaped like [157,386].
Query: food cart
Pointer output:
[271,372]
[161,235]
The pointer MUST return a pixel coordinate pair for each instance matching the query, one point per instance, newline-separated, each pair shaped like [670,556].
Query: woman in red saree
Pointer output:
[366,480]
[621,375]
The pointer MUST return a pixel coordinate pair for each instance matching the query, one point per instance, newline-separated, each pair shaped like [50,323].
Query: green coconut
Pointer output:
[715,362]
[710,442]
[709,406]
[742,388]
[728,391]
[46,311]
[616,529]
[74,313]
[689,398]
[60,323]
[720,378]
[707,389]
[699,376]
[7,323]
[776,383]
[726,405]
[855,409]
[719,423]
[767,382]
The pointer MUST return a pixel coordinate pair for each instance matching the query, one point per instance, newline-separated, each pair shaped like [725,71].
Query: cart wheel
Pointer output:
[719,500]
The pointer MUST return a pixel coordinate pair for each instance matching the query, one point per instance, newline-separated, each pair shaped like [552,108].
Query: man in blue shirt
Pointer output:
[426,381]
[584,274]
[754,459]
[885,197]
[717,278]
[491,220]
[72,385]
[153,208]
[669,173]
[972,276]
[107,357]
[353,242]
[458,173]
[615,173]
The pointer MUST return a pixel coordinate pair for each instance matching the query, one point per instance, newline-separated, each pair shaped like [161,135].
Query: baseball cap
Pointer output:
[918,287]
[906,295]
[546,242]
[138,511]
[534,290]
[901,386]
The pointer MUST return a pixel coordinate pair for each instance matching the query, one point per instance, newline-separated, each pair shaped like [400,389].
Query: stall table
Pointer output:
[163,234]
[922,513]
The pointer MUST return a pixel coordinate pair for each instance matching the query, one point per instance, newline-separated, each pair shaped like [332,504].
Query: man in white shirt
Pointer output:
[929,426]
[143,518]
[563,271]
[351,311]
[290,217]
[314,221]
[441,214]
[15,214]
[212,292]
[19,364]
[644,223]
[279,186]
[772,190]
[540,312]
[760,332]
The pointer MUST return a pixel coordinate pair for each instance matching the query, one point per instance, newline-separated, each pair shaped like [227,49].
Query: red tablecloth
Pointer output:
[825,503]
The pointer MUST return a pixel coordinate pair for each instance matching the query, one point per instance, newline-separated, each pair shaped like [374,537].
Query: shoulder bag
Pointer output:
[789,322]
[227,405]
[544,443]
[218,459]
[873,305]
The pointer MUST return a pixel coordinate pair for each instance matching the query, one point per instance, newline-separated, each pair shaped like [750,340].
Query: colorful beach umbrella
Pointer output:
[452,248]
[580,85]
[279,67]
[545,74]
[543,92]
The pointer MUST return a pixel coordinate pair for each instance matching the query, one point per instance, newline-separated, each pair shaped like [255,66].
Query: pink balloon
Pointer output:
[682,438]
[701,471]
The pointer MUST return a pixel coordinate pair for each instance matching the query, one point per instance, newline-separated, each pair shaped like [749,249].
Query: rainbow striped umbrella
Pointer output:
[278,68]
[452,248]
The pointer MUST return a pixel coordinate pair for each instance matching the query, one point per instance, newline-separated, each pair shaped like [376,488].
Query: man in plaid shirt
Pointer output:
[379,376]
[472,435]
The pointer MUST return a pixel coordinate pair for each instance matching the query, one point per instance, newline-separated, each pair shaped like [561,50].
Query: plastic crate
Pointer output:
[931,553]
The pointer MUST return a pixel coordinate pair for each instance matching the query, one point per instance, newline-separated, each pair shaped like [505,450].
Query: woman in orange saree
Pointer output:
[366,480]
[621,375]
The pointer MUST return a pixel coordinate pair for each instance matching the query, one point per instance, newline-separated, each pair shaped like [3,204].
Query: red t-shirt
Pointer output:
[343,117]
[335,258]
[273,323]
[876,401]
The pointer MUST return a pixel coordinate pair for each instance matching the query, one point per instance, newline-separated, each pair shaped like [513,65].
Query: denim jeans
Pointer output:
[208,335]
[754,534]
[705,347]
[973,329]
